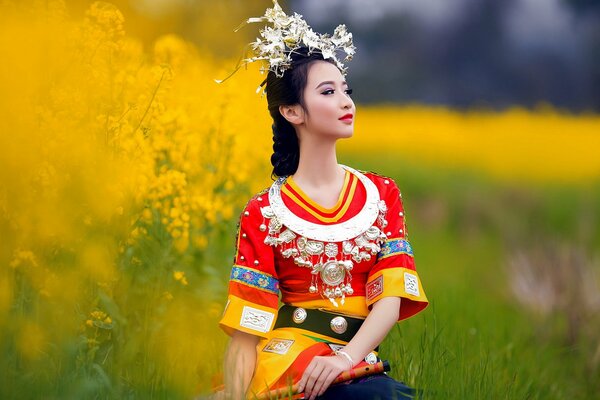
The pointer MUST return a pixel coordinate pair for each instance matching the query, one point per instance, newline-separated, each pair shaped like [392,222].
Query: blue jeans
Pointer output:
[376,387]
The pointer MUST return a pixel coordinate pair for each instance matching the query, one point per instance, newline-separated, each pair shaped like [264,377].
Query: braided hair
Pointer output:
[286,91]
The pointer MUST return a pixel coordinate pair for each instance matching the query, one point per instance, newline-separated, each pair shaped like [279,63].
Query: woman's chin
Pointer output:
[346,133]
[339,135]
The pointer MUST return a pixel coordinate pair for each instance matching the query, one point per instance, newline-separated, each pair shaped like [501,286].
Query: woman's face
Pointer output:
[330,110]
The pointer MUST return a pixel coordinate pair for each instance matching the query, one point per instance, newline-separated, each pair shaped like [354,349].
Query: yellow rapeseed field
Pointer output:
[116,164]
[517,144]
[119,163]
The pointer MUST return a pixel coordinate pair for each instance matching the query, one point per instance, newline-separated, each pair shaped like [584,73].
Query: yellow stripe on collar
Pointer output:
[316,214]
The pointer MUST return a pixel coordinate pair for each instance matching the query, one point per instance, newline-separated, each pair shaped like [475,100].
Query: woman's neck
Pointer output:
[318,164]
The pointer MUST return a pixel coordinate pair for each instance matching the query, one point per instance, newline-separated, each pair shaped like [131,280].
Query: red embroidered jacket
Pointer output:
[262,276]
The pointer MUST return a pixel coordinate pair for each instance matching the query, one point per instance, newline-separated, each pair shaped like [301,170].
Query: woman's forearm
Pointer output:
[379,322]
[240,362]
[322,370]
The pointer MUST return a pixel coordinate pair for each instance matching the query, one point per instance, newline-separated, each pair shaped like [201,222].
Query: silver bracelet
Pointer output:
[338,352]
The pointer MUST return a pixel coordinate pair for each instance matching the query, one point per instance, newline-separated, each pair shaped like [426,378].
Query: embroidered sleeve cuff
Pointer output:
[254,286]
[247,317]
[394,247]
[254,279]
[397,282]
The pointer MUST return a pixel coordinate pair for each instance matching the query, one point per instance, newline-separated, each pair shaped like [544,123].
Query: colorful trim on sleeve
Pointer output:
[254,278]
[398,282]
[393,247]
[247,317]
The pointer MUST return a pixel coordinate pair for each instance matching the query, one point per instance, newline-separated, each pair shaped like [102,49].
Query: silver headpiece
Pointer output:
[288,33]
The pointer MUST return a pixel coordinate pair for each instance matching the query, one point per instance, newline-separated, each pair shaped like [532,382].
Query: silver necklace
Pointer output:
[330,251]
[328,233]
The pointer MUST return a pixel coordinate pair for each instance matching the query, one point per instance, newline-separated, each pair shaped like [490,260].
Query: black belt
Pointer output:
[325,323]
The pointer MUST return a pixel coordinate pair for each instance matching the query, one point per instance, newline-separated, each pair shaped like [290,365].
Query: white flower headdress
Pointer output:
[288,33]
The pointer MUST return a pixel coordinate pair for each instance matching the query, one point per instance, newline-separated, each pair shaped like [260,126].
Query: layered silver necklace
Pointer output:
[330,251]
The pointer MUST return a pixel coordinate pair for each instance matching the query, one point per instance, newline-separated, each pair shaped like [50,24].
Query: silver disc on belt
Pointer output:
[339,325]
[332,273]
[299,315]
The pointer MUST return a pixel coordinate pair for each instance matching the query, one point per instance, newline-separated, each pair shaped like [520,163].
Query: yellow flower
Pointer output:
[98,315]
[23,257]
[147,214]
[180,276]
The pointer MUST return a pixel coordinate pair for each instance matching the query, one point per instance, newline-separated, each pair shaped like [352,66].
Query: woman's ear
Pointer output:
[293,114]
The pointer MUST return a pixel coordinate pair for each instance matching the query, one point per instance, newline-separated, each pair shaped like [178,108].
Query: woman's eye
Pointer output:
[330,91]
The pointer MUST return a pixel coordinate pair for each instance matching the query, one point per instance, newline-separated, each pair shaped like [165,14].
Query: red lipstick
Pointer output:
[347,117]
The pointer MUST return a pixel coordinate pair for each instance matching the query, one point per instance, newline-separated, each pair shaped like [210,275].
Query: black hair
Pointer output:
[286,91]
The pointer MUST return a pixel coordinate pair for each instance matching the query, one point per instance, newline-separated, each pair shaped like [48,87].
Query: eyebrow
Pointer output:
[330,83]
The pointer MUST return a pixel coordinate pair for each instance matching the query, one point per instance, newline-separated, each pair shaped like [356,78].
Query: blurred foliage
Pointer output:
[463,53]
[117,167]
[207,24]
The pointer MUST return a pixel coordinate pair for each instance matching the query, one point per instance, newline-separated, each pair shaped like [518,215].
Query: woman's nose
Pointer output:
[346,101]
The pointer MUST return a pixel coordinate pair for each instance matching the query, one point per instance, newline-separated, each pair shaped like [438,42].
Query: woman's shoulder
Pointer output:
[258,200]
[376,176]
[385,184]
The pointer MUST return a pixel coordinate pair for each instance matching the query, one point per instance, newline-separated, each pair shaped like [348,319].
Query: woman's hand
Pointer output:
[319,374]
[323,370]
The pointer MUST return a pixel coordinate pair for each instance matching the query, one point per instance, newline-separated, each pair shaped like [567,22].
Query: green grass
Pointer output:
[475,341]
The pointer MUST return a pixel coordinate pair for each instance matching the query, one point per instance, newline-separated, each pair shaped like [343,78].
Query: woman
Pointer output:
[328,241]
